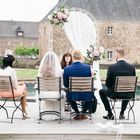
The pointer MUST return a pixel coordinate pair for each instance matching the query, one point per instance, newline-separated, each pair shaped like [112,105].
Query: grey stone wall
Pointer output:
[53,38]
[12,43]
[125,34]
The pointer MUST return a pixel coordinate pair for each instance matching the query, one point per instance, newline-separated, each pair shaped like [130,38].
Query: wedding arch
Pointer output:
[80,29]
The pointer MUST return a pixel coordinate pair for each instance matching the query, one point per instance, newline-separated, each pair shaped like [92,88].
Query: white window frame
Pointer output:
[110,30]
[109,55]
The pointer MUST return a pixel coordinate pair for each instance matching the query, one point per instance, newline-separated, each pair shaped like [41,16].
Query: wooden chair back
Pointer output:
[49,83]
[6,84]
[81,84]
[125,84]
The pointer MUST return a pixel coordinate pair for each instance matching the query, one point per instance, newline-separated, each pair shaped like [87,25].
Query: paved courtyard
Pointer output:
[99,126]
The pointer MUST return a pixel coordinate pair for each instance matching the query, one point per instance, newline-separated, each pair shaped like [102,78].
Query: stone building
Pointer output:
[17,33]
[117,25]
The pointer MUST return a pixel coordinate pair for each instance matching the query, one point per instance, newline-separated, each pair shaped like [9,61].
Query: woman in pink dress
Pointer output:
[19,88]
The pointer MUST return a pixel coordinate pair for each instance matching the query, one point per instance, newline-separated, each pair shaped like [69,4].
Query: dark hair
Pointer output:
[7,61]
[63,62]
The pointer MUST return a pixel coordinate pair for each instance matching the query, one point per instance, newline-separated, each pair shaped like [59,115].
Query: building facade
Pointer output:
[117,25]
[17,33]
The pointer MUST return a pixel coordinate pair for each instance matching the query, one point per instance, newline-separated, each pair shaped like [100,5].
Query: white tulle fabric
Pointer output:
[80,30]
[50,66]
[97,81]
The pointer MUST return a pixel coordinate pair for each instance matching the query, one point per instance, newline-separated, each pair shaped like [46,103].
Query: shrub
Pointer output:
[26,51]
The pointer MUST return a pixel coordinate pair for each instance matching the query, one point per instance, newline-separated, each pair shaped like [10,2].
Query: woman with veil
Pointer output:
[50,67]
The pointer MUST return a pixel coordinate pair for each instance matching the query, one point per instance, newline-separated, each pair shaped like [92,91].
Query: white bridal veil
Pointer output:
[50,65]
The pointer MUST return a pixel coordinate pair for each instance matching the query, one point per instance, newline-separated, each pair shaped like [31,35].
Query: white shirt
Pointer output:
[10,72]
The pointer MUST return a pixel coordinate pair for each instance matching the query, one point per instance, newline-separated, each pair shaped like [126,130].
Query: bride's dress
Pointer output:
[51,104]
[97,81]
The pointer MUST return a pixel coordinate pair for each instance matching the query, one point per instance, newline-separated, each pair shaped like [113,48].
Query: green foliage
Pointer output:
[26,51]
[87,60]
[0,61]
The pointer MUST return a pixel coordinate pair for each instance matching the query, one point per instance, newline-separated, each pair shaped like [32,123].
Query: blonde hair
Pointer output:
[77,55]
[120,51]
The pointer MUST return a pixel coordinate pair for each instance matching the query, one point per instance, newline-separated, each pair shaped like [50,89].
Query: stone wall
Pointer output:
[125,34]
[12,43]
[53,38]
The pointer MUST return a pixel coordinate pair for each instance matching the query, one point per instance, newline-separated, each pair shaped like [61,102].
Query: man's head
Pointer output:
[119,53]
[77,56]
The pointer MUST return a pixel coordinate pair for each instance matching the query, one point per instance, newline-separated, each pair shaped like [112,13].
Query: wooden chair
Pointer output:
[6,87]
[80,85]
[125,87]
[49,88]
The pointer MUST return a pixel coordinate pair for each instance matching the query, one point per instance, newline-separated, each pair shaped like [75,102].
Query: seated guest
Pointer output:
[77,69]
[121,68]
[19,88]
[66,60]
[50,67]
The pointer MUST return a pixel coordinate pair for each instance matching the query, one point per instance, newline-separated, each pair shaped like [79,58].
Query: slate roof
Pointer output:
[124,10]
[8,28]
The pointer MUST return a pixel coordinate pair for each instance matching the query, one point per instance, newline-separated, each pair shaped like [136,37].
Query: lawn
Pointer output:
[32,73]
[26,73]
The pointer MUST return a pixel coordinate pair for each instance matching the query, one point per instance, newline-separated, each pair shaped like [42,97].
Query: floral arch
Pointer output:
[81,29]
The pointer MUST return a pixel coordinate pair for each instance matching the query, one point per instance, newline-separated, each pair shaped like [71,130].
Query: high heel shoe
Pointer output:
[26,116]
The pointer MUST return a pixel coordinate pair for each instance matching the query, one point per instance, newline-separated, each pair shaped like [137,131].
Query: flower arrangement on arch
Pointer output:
[96,52]
[59,16]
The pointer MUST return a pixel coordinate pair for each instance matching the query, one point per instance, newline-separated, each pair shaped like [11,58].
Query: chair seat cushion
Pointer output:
[49,95]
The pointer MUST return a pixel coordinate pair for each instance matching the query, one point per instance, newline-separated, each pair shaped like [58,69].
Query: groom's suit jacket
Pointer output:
[121,68]
[76,69]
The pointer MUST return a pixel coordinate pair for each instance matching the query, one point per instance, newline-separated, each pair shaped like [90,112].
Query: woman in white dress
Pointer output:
[49,67]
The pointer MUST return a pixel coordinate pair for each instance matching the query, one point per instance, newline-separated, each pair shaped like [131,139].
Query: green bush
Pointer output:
[26,51]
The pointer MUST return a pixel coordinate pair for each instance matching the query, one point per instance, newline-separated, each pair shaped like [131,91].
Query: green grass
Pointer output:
[103,73]
[32,73]
[26,73]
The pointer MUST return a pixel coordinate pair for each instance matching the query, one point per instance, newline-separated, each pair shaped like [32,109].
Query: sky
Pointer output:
[25,10]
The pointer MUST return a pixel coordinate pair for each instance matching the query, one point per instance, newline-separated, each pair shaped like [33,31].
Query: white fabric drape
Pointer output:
[97,81]
[80,30]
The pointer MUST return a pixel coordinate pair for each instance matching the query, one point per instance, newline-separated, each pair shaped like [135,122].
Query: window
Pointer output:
[19,32]
[109,54]
[110,30]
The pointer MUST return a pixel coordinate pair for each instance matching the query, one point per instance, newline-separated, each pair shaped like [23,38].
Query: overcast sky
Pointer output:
[25,10]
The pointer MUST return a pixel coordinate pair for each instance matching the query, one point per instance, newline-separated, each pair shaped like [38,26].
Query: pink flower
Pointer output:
[102,49]
[64,16]
[60,15]
[96,53]
[90,49]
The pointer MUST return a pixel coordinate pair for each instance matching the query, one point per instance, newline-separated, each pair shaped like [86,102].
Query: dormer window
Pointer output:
[19,32]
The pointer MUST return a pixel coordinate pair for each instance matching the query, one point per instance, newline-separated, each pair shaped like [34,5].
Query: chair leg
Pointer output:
[17,107]
[131,109]
[90,111]
[113,108]
[2,106]
[60,104]
[40,116]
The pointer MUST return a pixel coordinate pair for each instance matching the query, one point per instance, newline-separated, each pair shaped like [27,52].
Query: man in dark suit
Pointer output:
[77,69]
[121,68]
